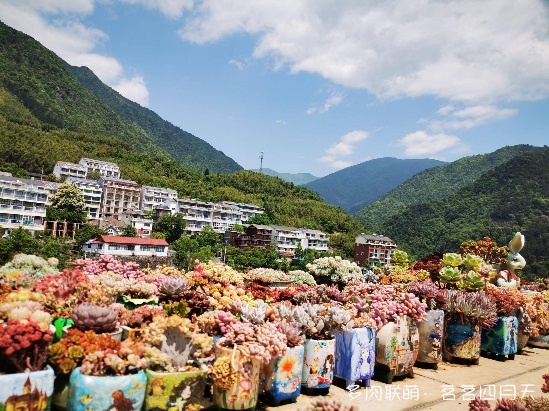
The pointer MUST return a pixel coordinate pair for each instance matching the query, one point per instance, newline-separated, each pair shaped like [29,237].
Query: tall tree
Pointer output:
[67,204]
[173,226]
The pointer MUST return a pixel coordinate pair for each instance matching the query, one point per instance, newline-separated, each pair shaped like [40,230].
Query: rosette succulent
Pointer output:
[95,318]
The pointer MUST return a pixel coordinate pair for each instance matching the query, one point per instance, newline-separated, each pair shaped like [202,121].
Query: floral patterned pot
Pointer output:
[318,366]
[501,339]
[283,376]
[430,338]
[461,341]
[120,392]
[242,392]
[183,390]
[542,341]
[27,390]
[355,355]
[397,346]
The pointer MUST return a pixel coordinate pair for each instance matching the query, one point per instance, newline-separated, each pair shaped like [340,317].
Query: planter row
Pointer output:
[352,357]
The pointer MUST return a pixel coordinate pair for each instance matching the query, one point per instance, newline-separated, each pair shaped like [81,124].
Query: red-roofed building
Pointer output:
[117,245]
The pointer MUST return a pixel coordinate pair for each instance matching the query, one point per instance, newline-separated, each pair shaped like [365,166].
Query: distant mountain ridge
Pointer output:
[297,178]
[353,188]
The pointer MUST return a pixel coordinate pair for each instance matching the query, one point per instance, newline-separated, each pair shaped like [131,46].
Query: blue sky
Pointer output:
[316,85]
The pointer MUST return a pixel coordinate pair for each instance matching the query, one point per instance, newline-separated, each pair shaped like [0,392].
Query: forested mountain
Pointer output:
[353,188]
[45,85]
[297,178]
[435,184]
[513,197]
[186,149]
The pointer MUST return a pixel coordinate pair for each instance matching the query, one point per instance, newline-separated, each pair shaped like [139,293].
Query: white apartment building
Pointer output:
[314,239]
[196,213]
[138,220]
[129,246]
[119,196]
[23,202]
[225,215]
[287,239]
[102,167]
[247,210]
[151,197]
[64,169]
[92,192]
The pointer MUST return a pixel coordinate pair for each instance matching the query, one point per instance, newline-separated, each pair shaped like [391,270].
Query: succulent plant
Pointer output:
[325,404]
[173,287]
[474,307]
[95,317]
[294,336]
[450,275]
[478,404]
[472,281]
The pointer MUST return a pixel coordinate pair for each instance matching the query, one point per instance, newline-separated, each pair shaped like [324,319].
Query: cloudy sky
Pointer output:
[316,85]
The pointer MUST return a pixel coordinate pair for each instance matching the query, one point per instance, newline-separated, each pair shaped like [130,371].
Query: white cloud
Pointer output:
[281,122]
[467,51]
[172,9]
[422,144]
[345,147]
[240,64]
[71,40]
[469,117]
[330,102]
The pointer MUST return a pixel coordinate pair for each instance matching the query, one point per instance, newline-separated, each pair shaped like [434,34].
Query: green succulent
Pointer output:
[473,261]
[472,281]
[450,275]
[451,260]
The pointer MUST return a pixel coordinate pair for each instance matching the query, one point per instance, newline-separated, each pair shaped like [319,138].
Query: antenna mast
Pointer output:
[261,163]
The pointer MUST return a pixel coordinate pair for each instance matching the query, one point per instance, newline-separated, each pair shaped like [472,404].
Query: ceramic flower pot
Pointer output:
[355,355]
[522,341]
[430,338]
[120,392]
[501,339]
[240,392]
[27,391]
[183,390]
[541,341]
[397,345]
[318,366]
[461,341]
[282,376]
[60,394]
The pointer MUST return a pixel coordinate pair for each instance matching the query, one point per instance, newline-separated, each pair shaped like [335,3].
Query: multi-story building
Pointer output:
[104,168]
[255,235]
[225,215]
[92,192]
[119,196]
[373,249]
[64,169]
[196,213]
[138,220]
[151,197]
[23,202]
[130,246]
[314,239]
[287,239]
[247,210]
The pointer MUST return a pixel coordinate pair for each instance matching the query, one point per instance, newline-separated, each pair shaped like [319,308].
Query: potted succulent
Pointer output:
[134,321]
[466,314]
[176,376]
[501,339]
[238,358]
[430,330]
[25,335]
[97,318]
[355,348]
[319,323]
[111,376]
[334,270]
[538,309]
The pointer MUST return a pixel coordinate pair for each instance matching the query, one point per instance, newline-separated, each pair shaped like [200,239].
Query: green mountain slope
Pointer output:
[297,178]
[45,85]
[355,187]
[514,196]
[185,148]
[434,184]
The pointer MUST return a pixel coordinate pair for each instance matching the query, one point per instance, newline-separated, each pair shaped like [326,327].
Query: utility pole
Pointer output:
[261,163]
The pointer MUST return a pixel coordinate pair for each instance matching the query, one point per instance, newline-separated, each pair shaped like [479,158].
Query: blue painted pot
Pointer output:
[502,337]
[123,392]
[430,337]
[318,366]
[283,376]
[32,390]
[461,340]
[355,355]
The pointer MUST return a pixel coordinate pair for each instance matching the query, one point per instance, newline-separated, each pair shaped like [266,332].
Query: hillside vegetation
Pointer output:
[434,184]
[355,187]
[513,197]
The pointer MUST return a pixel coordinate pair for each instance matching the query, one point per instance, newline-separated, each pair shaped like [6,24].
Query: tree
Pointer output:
[67,204]
[129,231]
[87,232]
[239,228]
[19,241]
[93,175]
[55,247]
[173,226]
[209,238]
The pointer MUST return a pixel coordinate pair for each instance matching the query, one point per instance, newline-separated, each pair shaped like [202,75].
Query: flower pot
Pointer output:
[283,376]
[355,355]
[461,341]
[501,339]
[242,392]
[27,390]
[430,338]
[183,390]
[522,341]
[116,334]
[60,395]
[123,392]
[318,366]
[397,345]
[541,341]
